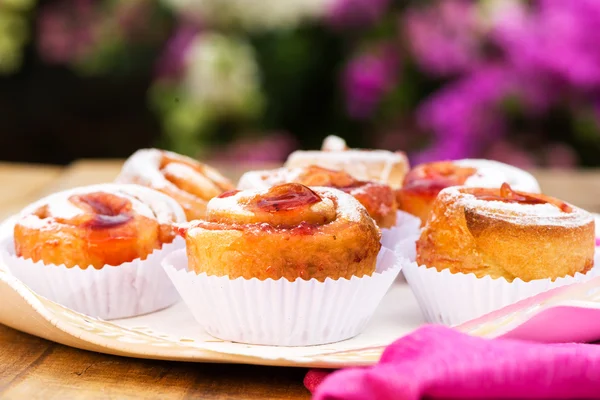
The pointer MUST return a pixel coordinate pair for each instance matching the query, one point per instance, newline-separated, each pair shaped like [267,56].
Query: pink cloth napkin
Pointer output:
[436,362]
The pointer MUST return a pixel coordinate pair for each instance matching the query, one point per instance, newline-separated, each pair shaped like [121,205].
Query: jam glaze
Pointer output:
[287,197]
[228,193]
[105,210]
[378,198]
[507,195]
[201,180]
[291,207]
[258,228]
[433,177]
[319,176]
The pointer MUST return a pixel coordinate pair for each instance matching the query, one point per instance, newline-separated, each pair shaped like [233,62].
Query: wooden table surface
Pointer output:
[35,368]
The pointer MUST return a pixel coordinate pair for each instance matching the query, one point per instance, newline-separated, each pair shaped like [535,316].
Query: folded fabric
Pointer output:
[439,362]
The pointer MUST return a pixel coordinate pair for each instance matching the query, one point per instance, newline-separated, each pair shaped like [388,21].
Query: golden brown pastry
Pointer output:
[188,181]
[365,165]
[423,183]
[506,233]
[377,198]
[96,226]
[288,231]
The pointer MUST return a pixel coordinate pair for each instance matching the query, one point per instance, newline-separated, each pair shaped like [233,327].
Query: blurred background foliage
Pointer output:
[238,80]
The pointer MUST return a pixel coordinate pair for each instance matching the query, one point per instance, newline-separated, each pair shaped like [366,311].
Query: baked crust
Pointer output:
[288,231]
[96,226]
[473,230]
[366,165]
[423,183]
[188,181]
[377,198]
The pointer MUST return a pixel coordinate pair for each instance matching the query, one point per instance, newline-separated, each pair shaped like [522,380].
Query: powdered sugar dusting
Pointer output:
[64,209]
[165,209]
[364,165]
[492,174]
[334,143]
[517,213]
[144,201]
[347,206]
[346,157]
[268,178]
[233,204]
[143,167]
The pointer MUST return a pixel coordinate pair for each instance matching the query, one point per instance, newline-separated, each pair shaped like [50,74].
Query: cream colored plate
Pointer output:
[173,334]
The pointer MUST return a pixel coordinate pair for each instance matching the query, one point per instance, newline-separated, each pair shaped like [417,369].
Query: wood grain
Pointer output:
[32,368]
[22,184]
[86,172]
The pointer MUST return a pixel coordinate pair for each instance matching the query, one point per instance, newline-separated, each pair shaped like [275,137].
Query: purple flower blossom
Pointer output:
[272,148]
[548,53]
[356,13]
[509,153]
[557,39]
[446,149]
[464,115]
[444,38]
[367,79]
[133,20]
[65,30]
[172,60]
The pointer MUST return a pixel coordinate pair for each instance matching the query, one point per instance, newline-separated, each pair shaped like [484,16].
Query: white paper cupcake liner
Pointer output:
[403,236]
[130,289]
[280,312]
[452,299]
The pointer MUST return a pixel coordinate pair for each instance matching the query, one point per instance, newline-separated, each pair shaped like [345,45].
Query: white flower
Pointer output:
[221,73]
[253,14]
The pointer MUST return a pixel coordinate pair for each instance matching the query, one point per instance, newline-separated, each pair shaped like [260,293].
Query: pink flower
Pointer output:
[356,13]
[444,149]
[65,30]
[464,116]
[272,148]
[444,38]
[134,21]
[367,79]
[171,62]
[558,39]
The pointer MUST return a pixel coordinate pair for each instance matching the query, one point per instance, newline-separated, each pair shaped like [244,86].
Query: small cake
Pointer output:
[96,226]
[288,231]
[188,181]
[97,249]
[507,234]
[377,198]
[365,165]
[423,183]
